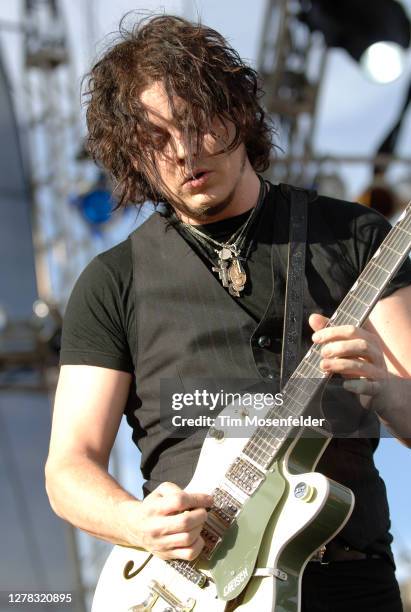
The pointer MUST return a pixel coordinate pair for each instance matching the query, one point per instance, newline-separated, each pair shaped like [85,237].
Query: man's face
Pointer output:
[210,196]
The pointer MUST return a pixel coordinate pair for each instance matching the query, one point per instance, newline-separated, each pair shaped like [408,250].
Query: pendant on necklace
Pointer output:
[230,270]
[222,271]
[225,254]
[237,277]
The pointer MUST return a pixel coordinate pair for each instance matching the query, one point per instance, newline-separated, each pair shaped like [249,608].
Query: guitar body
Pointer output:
[292,514]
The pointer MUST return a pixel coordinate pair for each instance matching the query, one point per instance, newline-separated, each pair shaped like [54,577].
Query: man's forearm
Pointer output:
[84,494]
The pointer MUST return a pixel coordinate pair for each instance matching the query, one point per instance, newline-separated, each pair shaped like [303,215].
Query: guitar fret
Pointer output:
[370,284]
[347,314]
[261,439]
[313,368]
[374,263]
[263,442]
[392,249]
[355,297]
[288,393]
[301,384]
[308,383]
[253,450]
[315,350]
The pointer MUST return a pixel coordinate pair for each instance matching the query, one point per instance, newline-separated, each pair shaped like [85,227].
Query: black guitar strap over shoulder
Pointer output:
[294,295]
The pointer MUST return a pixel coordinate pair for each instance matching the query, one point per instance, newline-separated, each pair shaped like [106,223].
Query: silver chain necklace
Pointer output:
[229,267]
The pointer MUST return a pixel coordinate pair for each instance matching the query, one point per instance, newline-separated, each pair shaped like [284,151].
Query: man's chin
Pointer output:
[204,212]
[208,211]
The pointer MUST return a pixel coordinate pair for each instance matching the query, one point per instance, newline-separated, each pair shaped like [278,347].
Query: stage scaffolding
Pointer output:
[292,62]
[46,99]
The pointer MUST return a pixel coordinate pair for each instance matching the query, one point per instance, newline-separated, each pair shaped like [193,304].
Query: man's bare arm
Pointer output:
[87,413]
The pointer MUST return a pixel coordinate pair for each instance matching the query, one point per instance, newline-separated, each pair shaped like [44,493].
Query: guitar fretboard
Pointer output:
[308,378]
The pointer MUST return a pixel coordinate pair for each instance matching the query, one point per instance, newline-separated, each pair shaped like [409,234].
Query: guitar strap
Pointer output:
[294,294]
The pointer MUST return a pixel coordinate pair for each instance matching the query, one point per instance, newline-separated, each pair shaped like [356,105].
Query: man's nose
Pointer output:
[180,147]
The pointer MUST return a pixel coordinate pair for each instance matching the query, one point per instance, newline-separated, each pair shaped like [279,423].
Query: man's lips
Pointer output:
[200,180]
[196,175]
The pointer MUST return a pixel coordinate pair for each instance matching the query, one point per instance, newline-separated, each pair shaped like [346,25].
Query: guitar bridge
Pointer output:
[186,570]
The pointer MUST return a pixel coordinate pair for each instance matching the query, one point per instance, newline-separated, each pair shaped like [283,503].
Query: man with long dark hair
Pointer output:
[175,117]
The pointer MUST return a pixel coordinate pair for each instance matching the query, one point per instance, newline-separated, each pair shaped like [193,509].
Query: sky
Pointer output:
[354,116]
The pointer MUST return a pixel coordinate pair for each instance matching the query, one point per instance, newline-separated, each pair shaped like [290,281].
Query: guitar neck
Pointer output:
[308,378]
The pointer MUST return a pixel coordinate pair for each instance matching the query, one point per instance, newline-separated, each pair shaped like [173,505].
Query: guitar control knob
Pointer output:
[304,492]
[218,434]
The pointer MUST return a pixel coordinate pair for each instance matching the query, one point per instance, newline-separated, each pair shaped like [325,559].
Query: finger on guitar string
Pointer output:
[163,525]
[168,522]
[348,350]
[365,340]
[173,499]
[353,368]
[360,347]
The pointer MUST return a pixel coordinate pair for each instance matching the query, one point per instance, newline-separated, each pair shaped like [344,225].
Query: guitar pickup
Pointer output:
[211,540]
[245,476]
[225,508]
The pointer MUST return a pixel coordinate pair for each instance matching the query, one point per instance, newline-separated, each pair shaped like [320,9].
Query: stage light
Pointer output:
[41,309]
[374,32]
[96,204]
[383,62]
[48,322]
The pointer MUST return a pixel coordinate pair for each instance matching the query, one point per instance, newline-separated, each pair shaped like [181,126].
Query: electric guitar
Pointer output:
[271,511]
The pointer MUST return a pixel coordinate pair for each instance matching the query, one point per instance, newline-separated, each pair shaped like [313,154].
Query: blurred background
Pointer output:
[337,78]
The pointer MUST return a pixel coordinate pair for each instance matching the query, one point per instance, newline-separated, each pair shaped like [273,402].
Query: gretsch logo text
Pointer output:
[236,581]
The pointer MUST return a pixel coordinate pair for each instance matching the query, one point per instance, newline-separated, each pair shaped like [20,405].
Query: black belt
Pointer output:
[337,551]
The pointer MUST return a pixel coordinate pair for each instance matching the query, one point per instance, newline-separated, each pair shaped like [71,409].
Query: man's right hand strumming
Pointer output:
[168,522]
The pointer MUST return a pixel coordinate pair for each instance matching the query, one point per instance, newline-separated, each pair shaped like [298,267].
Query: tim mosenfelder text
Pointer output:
[246,421]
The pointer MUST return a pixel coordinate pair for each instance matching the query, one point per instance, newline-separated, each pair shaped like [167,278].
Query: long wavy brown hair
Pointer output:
[195,64]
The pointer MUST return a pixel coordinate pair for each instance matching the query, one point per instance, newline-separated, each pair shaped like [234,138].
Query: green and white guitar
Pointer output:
[271,511]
